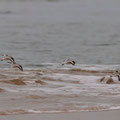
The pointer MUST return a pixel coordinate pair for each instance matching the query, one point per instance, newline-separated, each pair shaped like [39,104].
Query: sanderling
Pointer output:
[68,61]
[116,74]
[14,65]
[6,57]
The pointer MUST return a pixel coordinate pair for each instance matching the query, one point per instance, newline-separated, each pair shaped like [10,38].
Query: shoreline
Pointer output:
[103,115]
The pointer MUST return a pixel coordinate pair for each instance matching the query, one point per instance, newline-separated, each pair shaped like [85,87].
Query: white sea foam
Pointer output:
[38,111]
[68,92]
[97,108]
[114,108]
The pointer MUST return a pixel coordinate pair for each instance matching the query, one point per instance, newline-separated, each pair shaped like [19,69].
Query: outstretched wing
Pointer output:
[20,67]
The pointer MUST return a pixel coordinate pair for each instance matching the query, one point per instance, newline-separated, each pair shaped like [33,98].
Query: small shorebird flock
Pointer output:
[11,60]
[13,64]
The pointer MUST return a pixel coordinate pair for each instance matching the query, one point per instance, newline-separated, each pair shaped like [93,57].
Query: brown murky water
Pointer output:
[54,91]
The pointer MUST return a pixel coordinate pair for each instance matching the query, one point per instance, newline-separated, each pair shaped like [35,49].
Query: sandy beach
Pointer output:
[104,115]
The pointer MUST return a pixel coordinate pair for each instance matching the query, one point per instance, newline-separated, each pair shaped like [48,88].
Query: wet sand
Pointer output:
[104,115]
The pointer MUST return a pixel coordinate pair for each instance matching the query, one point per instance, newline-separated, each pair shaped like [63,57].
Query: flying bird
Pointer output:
[68,61]
[7,57]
